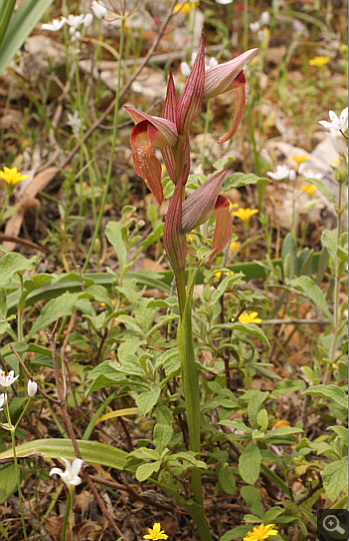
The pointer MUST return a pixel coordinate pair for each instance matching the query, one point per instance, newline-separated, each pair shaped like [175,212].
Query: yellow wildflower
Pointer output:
[249,317]
[261,532]
[190,237]
[300,159]
[344,49]
[232,206]
[185,8]
[319,61]
[245,214]
[227,273]
[155,532]
[308,188]
[234,246]
[12,176]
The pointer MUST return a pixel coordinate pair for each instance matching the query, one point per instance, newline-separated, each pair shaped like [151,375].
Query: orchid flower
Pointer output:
[169,132]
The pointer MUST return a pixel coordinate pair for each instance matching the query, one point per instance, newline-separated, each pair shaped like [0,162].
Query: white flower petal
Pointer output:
[58,471]
[185,69]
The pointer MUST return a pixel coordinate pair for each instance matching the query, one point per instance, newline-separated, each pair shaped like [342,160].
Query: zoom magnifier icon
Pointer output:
[331,524]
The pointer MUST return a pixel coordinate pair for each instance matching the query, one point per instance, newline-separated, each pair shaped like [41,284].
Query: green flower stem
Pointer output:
[23,412]
[20,312]
[4,205]
[112,152]
[67,516]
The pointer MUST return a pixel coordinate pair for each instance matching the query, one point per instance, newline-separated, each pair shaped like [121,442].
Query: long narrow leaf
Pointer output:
[21,25]
[91,451]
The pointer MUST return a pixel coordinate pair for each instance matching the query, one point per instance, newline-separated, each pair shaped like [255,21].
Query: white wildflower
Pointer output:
[7,379]
[99,9]
[71,474]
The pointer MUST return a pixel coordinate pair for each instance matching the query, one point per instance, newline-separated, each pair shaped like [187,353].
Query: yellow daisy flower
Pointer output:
[260,533]
[186,8]
[155,532]
[307,188]
[234,246]
[344,48]
[300,159]
[12,176]
[319,61]
[249,317]
[244,214]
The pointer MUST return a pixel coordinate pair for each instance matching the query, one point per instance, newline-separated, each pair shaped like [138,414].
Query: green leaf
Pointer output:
[60,307]
[262,419]
[146,401]
[219,165]
[236,180]
[310,288]
[332,392]
[254,406]
[21,25]
[272,514]
[290,386]
[253,499]
[8,481]
[251,329]
[91,451]
[239,531]
[115,232]
[335,478]
[143,453]
[249,464]
[341,431]
[144,471]
[289,256]
[329,240]
[227,481]
[10,264]
[164,415]
[130,322]
[162,436]
[144,315]
[37,281]
[322,188]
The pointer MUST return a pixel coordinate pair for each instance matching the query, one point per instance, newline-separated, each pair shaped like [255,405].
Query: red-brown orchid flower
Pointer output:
[225,77]
[170,133]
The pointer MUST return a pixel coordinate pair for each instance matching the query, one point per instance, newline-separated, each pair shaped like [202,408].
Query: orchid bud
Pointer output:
[190,102]
[32,388]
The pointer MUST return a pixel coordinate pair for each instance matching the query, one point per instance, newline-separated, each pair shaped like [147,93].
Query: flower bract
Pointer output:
[12,176]
[6,380]
[71,474]
[155,532]
[260,533]
[249,317]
